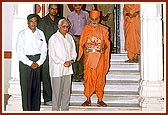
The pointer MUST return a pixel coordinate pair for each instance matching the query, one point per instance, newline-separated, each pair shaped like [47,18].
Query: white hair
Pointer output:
[61,20]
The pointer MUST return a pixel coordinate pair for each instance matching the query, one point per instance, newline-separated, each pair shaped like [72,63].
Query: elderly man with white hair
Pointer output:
[62,54]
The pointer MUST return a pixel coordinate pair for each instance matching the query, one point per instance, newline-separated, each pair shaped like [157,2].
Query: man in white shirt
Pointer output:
[62,54]
[32,50]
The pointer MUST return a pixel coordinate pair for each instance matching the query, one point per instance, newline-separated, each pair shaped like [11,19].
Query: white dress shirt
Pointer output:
[30,43]
[61,50]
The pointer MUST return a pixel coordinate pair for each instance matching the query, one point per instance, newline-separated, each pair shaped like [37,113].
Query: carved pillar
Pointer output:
[152,85]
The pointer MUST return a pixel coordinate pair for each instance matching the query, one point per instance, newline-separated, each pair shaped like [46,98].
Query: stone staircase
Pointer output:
[120,93]
[121,89]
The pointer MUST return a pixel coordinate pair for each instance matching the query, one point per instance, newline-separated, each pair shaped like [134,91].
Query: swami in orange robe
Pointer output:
[94,44]
[132,30]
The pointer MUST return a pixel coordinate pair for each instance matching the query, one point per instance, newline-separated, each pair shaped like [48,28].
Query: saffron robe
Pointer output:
[96,64]
[132,30]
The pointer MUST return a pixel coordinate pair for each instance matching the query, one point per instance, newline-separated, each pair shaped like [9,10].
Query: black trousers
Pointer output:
[78,67]
[30,85]
[46,81]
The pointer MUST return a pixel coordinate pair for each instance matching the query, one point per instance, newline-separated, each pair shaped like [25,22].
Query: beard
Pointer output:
[94,24]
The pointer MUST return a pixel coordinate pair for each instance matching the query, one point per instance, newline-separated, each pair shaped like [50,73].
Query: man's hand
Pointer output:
[102,51]
[68,63]
[84,48]
[34,65]
[135,14]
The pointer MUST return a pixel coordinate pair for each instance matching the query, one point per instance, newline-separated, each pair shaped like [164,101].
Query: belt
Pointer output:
[78,36]
[92,50]
[33,55]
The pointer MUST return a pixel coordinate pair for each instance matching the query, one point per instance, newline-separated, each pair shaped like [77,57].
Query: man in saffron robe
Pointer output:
[95,45]
[132,31]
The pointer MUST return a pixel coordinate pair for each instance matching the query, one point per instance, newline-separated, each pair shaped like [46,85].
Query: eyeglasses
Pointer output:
[65,26]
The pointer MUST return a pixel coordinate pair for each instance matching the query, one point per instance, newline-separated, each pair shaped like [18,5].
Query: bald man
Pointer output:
[95,45]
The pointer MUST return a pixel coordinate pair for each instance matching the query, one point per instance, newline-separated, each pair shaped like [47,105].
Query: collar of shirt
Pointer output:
[30,31]
[55,19]
[81,13]
[61,34]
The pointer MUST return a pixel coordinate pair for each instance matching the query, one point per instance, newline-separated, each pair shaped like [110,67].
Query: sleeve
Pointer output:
[80,51]
[73,50]
[20,50]
[86,32]
[107,52]
[43,50]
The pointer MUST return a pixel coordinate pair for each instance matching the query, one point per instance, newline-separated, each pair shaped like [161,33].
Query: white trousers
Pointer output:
[61,93]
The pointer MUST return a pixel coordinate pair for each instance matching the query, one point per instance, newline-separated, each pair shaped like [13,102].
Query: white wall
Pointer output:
[7,26]
[14,20]
[7,14]
[66,10]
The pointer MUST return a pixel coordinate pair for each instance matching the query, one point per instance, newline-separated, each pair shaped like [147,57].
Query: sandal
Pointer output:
[101,103]
[129,61]
[87,103]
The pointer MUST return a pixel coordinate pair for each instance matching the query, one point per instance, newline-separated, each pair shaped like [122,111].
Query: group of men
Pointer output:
[55,48]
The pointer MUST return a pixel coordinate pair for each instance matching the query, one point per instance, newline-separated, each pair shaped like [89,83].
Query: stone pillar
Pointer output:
[122,38]
[152,85]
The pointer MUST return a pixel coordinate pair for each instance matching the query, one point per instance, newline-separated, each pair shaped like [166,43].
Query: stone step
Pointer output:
[115,93]
[122,82]
[114,77]
[14,103]
[109,104]
[110,87]
[111,100]
[120,65]
[96,109]
[122,79]
[77,86]
[117,62]
[118,57]
[125,74]
[115,82]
